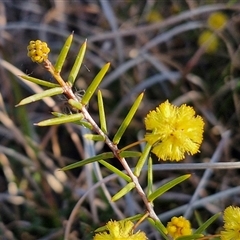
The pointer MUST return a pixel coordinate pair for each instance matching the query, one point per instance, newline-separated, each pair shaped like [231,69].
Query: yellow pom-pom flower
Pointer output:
[179,226]
[209,40]
[217,20]
[122,230]
[38,51]
[154,16]
[231,217]
[174,131]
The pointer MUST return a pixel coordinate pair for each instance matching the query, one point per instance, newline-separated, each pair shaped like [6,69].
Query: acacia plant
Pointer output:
[171,133]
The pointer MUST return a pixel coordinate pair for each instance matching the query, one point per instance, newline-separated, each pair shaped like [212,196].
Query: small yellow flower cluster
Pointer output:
[179,226]
[174,131]
[154,16]
[38,51]
[231,226]
[209,40]
[216,21]
[122,230]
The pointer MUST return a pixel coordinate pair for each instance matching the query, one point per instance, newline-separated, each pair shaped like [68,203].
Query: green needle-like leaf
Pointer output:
[123,191]
[160,227]
[167,186]
[127,154]
[77,64]
[128,119]
[150,177]
[142,160]
[39,81]
[63,54]
[206,224]
[116,170]
[76,105]
[94,137]
[58,114]
[78,122]
[60,120]
[190,237]
[84,124]
[38,96]
[102,117]
[94,85]
[99,157]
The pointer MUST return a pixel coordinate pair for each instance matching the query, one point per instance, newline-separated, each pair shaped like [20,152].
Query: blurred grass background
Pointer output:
[153,47]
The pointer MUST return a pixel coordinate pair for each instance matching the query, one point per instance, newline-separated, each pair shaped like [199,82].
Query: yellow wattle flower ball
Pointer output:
[217,20]
[122,230]
[154,16]
[209,40]
[38,51]
[231,217]
[179,226]
[174,131]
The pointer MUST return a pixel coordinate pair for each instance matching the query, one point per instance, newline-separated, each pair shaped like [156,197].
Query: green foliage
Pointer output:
[123,191]
[99,157]
[127,120]
[94,85]
[102,118]
[63,54]
[38,96]
[206,224]
[77,64]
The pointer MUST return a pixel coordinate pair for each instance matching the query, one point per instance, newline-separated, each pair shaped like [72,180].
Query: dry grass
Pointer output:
[161,57]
